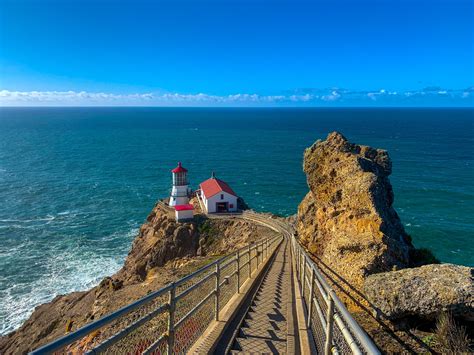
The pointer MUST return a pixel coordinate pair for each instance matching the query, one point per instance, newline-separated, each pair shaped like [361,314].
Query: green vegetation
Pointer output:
[429,340]
[208,232]
[451,337]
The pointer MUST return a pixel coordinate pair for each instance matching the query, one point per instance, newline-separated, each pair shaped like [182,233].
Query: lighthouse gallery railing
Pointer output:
[169,320]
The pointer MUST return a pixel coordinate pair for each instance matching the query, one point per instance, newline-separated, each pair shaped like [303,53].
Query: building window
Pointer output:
[231,205]
[222,196]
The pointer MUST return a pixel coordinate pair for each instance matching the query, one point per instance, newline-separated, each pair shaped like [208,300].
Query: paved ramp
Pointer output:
[269,324]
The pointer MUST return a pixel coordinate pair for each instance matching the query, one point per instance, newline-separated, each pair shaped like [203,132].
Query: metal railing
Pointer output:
[334,329]
[169,320]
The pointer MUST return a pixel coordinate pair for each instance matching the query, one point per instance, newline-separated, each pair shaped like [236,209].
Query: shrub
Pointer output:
[451,337]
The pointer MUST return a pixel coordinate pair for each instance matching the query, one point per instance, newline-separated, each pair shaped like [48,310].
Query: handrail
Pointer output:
[350,334]
[340,329]
[199,279]
[100,323]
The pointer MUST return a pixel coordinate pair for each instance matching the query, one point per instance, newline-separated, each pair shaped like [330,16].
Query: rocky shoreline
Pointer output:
[163,251]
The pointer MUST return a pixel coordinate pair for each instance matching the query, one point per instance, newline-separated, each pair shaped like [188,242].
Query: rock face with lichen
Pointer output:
[423,292]
[347,219]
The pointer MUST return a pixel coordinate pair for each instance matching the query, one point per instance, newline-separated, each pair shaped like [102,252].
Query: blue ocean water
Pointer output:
[76,183]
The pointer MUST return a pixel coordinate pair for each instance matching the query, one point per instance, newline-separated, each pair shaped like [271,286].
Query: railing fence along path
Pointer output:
[170,320]
[331,325]
[334,329]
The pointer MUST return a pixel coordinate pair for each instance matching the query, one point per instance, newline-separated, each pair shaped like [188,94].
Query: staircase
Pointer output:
[268,326]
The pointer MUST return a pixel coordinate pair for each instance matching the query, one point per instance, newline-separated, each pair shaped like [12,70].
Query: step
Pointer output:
[259,346]
[255,323]
[268,334]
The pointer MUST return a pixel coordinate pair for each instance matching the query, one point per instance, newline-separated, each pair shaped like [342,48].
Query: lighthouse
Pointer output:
[180,190]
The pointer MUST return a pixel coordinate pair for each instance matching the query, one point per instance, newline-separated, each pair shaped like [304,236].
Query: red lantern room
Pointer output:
[179,175]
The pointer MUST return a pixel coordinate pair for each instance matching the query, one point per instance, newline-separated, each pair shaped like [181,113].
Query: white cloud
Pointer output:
[69,97]
[8,97]
[334,96]
[323,97]
[372,96]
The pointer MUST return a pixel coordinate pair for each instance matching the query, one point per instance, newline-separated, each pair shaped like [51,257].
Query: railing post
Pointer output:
[298,263]
[238,271]
[172,304]
[329,325]
[295,257]
[302,262]
[303,286]
[218,274]
[250,261]
[258,254]
[311,295]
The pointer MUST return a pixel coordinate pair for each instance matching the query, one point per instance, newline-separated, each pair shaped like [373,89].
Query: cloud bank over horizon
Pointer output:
[429,96]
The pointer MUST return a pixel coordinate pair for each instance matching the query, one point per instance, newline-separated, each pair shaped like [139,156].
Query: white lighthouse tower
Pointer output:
[180,190]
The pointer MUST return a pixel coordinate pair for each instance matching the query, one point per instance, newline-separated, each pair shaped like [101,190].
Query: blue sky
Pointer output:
[237,53]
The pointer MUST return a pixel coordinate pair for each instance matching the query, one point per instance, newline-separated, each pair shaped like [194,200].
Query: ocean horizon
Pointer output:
[77,182]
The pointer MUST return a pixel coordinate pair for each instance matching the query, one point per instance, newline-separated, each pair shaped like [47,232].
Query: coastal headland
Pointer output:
[346,221]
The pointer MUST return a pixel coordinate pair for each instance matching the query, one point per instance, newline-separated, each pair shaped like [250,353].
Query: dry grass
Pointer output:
[450,337]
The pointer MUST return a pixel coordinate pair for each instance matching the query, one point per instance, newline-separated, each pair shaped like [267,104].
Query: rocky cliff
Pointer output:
[347,219]
[348,223]
[163,251]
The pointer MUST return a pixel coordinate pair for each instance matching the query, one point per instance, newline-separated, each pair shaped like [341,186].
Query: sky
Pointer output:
[237,53]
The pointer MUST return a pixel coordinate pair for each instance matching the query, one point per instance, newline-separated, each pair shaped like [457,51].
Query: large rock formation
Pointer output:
[347,220]
[423,292]
[348,223]
[163,252]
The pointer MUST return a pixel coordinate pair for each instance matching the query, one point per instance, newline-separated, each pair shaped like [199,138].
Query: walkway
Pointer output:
[269,325]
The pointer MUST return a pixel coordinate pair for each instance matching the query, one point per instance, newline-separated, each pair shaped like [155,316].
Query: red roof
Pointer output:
[213,186]
[179,169]
[186,207]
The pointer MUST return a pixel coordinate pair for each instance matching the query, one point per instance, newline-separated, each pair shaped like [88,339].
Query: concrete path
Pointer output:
[269,325]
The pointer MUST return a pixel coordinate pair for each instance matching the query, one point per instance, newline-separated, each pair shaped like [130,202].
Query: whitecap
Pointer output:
[66,272]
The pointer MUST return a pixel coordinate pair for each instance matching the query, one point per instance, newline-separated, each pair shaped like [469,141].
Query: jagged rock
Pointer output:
[160,240]
[423,291]
[347,220]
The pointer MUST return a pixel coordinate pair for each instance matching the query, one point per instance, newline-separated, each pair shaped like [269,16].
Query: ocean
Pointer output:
[76,183]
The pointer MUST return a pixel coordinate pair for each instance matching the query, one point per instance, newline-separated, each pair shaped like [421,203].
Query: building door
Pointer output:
[222,207]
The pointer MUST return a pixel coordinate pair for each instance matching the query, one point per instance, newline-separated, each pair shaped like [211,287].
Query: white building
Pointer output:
[184,212]
[217,196]
[180,190]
